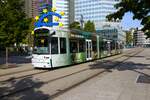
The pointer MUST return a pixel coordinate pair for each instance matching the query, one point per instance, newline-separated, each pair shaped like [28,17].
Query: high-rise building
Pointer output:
[31,8]
[28,8]
[140,39]
[96,11]
[62,5]
[35,7]
[71,11]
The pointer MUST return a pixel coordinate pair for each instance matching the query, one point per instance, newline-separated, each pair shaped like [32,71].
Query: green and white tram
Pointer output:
[55,48]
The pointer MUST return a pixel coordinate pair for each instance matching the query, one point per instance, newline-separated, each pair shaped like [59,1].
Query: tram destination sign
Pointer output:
[42,32]
[76,36]
[37,35]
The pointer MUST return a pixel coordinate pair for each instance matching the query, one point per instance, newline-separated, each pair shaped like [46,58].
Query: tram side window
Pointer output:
[94,46]
[112,45]
[81,46]
[101,47]
[117,45]
[54,45]
[63,45]
[73,47]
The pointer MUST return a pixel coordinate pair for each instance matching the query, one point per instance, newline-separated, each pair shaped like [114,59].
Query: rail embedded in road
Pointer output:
[28,88]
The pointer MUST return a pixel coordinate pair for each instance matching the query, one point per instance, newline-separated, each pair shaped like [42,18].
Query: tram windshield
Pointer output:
[41,44]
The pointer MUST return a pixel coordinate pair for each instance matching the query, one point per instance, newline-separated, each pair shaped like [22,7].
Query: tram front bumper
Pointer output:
[41,63]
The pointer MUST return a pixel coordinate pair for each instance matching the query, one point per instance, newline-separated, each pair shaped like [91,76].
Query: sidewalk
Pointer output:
[16,60]
[20,67]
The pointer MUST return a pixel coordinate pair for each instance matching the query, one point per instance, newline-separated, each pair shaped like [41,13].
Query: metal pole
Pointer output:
[6,56]
[81,21]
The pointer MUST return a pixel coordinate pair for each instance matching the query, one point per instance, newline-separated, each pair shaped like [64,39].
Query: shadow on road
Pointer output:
[108,64]
[105,64]
[137,56]
[24,89]
[132,66]
[123,66]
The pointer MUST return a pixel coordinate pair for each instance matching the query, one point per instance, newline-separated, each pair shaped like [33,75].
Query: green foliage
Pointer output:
[129,38]
[89,26]
[13,22]
[75,25]
[30,38]
[140,9]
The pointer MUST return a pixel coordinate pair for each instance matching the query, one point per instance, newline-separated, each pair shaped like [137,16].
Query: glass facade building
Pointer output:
[94,10]
[45,4]
[62,5]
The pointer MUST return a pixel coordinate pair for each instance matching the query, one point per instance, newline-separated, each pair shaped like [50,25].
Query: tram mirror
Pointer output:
[53,33]
[35,48]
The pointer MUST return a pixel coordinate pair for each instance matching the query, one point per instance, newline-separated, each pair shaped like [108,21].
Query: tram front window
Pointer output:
[41,44]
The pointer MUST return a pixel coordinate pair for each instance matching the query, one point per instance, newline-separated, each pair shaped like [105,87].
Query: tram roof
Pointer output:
[83,33]
[89,34]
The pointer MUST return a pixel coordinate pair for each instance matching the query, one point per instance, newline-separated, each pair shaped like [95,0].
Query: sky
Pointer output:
[127,22]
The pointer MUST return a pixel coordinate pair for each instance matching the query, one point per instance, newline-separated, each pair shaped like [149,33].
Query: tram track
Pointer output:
[24,76]
[36,73]
[91,77]
[16,72]
[26,70]
[10,93]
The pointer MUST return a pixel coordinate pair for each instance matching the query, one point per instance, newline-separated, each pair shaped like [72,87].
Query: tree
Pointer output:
[29,39]
[13,23]
[140,10]
[75,25]
[89,26]
[129,38]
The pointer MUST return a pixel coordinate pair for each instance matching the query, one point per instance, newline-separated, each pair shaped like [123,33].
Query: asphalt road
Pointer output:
[106,79]
[125,82]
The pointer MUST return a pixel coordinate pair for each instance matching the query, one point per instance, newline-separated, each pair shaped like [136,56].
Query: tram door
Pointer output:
[88,49]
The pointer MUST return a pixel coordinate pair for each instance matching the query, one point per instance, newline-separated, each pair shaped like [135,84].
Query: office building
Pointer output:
[62,5]
[31,8]
[112,33]
[71,11]
[96,11]
[140,39]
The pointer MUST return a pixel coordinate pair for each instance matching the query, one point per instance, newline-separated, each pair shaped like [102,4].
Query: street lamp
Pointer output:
[82,21]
